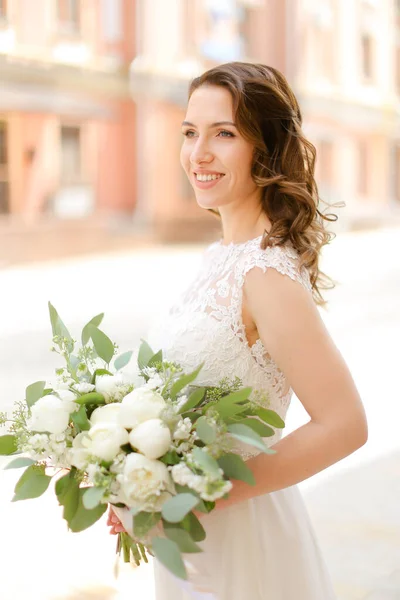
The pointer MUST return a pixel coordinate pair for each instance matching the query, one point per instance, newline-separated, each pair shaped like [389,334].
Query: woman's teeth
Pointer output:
[207,177]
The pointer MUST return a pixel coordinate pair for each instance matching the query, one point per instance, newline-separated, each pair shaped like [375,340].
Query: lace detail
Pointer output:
[206,324]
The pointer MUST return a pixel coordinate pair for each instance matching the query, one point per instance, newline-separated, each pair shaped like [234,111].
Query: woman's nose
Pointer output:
[200,153]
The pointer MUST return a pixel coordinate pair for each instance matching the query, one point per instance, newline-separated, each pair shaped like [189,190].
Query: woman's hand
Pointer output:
[114,523]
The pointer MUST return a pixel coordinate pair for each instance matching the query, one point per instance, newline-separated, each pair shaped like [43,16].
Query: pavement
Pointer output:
[354,505]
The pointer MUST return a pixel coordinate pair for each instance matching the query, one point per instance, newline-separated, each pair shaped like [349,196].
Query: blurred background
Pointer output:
[97,215]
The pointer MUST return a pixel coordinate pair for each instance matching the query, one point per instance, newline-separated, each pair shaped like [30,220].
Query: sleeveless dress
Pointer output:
[263,548]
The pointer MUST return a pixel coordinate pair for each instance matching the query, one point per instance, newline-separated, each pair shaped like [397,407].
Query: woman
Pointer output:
[251,312]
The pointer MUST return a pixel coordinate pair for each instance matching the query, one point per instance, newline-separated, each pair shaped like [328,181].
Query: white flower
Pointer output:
[182,429]
[154,382]
[145,483]
[68,399]
[106,440]
[140,405]
[50,414]
[84,387]
[209,488]
[106,414]
[79,454]
[152,438]
[112,387]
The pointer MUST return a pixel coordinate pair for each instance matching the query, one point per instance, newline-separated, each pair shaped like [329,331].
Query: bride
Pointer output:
[251,311]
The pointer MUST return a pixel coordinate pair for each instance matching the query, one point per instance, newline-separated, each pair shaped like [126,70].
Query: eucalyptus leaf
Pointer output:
[234,467]
[59,328]
[167,552]
[247,435]
[122,360]
[194,399]
[262,429]
[206,462]
[34,391]
[92,497]
[99,372]
[183,540]
[80,420]
[238,396]
[18,463]
[8,444]
[170,458]
[270,417]
[67,492]
[91,398]
[96,321]
[192,524]
[157,358]
[102,344]
[145,354]
[205,431]
[177,507]
[184,381]
[144,521]
[84,518]
[32,483]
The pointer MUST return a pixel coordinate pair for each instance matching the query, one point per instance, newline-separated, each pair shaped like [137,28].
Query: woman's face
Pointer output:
[215,157]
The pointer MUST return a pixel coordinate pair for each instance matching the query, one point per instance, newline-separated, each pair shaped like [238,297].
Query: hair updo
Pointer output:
[267,114]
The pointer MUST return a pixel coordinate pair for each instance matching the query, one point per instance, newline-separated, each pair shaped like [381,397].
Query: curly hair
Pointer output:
[268,115]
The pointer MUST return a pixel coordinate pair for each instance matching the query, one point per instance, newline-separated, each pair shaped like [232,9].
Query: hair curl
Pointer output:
[268,115]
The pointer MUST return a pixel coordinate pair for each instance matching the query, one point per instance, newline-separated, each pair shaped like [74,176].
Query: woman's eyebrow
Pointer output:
[217,124]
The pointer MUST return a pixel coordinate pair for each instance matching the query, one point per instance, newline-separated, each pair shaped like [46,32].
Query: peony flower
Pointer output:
[50,414]
[113,387]
[79,454]
[144,483]
[152,438]
[106,440]
[106,414]
[68,399]
[140,405]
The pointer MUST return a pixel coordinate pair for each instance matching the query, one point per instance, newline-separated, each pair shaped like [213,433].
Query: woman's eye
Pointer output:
[228,133]
[188,133]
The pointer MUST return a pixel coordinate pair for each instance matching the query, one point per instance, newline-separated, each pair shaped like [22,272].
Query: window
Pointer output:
[363,168]
[70,155]
[4,185]
[367,55]
[68,16]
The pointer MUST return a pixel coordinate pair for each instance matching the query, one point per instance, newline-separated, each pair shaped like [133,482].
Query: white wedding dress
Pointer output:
[263,548]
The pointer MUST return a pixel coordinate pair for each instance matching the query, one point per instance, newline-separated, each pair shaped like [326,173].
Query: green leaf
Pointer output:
[170,458]
[206,462]
[102,344]
[92,497]
[270,417]
[17,463]
[84,518]
[90,398]
[238,396]
[182,539]
[59,328]
[80,420]
[32,484]
[205,431]
[184,381]
[157,358]
[99,372]
[167,552]
[8,444]
[234,467]
[67,492]
[234,403]
[144,521]
[247,435]
[192,524]
[122,360]
[145,355]
[259,427]
[34,391]
[96,321]
[194,399]
[177,507]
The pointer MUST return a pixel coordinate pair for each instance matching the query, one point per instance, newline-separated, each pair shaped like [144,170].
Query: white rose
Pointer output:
[145,483]
[79,454]
[50,414]
[106,440]
[106,414]
[152,438]
[140,405]
[68,399]
[112,387]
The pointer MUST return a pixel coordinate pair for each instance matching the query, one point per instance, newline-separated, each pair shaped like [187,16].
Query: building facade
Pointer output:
[342,58]
[67,122]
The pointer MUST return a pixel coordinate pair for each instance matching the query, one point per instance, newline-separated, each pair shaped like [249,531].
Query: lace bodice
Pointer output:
[206,324]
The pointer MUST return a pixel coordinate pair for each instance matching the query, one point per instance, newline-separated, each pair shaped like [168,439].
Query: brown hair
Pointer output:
[268,115]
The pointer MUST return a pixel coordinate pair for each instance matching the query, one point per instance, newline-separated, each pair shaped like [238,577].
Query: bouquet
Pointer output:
[136,433]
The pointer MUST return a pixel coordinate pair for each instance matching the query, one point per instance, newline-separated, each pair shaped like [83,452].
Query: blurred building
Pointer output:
[342,58]
[67,122]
